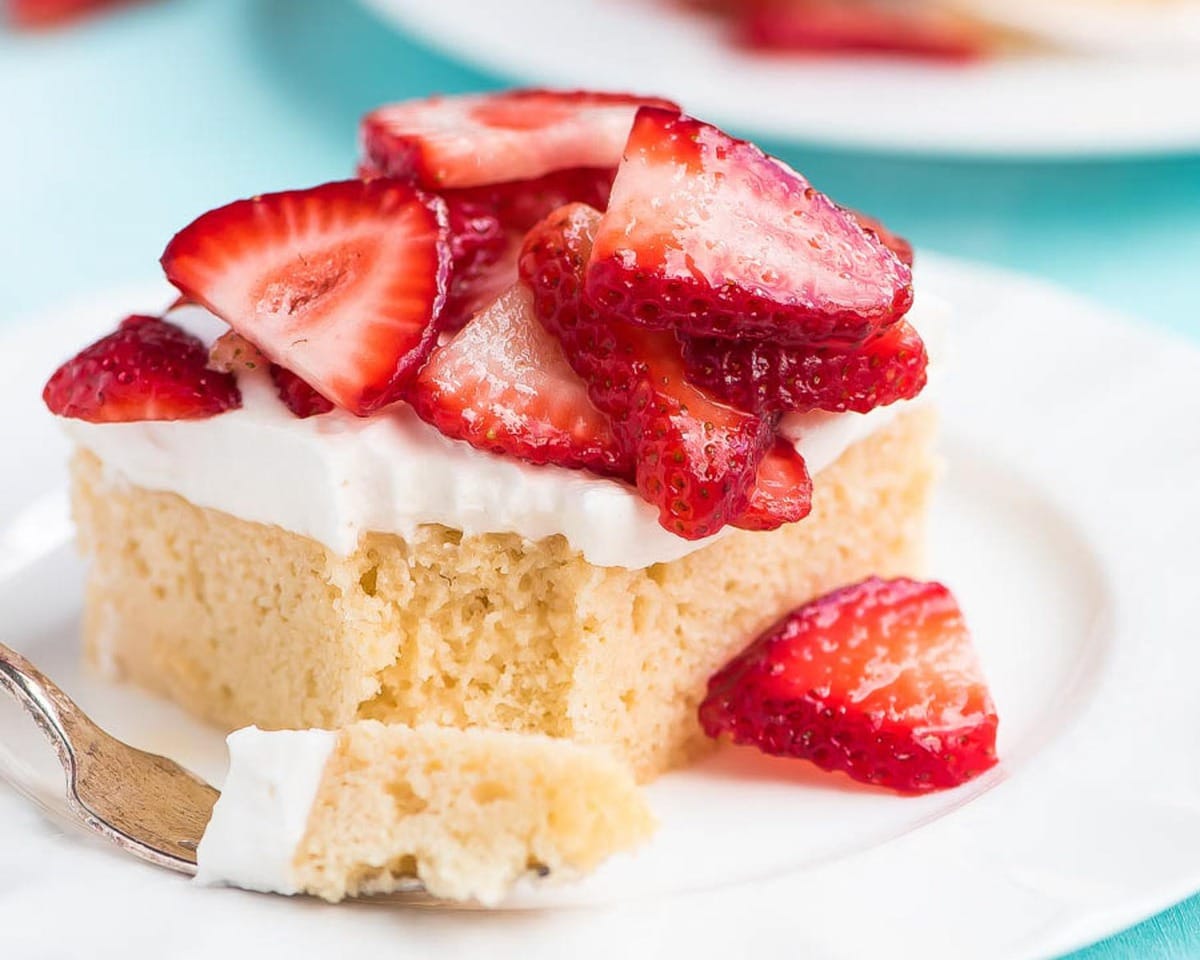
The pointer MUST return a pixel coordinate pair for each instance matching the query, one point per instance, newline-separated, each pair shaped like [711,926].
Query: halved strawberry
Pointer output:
[862,26]
[502,384]
[708,235]
[340,283]
[889,238]
[147,369]
[468,141]
[878,680]
[297,395]
[782,491]
[695,458]
[767,378]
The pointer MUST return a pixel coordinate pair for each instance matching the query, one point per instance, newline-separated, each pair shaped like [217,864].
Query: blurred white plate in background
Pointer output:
[1044,105]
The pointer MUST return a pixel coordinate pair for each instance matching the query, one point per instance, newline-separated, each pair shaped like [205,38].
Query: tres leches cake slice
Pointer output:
[531,429]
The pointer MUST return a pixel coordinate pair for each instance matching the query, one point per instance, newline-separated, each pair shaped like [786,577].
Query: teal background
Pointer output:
[116,132]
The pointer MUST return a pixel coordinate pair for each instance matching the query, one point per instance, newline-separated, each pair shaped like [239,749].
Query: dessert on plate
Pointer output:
[528,430]
[958,30]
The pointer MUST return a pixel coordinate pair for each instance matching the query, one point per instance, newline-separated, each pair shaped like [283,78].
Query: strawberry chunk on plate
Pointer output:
[148,369]
[341,284]
[878,680]
[473,140]
[502,384]
[708,235]
[696,459]
[768,378]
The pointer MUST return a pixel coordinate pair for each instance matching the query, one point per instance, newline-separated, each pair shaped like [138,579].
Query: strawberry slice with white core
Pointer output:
[708,235]
[502,384]
[469,141]
[340,283]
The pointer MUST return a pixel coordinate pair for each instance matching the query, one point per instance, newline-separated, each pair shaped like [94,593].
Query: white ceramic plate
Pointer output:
[1043,105]
[1067,526]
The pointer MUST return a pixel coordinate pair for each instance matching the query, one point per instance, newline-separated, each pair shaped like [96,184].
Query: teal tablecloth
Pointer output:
[115,133]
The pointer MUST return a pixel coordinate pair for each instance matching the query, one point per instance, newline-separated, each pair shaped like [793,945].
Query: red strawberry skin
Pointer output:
[708,235]
[340,283]
[503,385]
[488,224]
[889,238]
[695,458]
[878,680]
[474,140]
[782,491]
[297,395]
[768,378]
[147,369]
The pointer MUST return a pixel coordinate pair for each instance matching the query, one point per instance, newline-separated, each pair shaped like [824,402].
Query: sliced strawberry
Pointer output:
[235,354]
[766,378]
[893,241]
[488,224]
[41,14]
[297,395]
[862,26]
[468,141]
[481,257]
[519,204]
[147,369]
[340,283]
[502,384]
[878,680]
[782,491]
[709,235]
[695,458]
[480,280]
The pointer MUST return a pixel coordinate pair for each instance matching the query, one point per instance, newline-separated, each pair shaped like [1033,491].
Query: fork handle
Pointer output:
[44,700]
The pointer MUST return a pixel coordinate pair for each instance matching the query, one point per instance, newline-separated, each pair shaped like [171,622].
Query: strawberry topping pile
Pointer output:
[878,680]
[592,281]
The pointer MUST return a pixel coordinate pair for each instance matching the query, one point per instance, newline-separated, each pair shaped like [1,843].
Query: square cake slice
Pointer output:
[247,623]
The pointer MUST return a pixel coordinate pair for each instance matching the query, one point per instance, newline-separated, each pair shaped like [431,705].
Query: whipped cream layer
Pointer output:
[262,813]
[335,477]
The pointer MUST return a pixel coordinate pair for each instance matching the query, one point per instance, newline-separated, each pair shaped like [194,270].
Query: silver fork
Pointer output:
[146,804]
